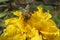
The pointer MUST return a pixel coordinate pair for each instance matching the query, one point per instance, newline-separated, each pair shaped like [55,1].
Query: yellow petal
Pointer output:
[17,13]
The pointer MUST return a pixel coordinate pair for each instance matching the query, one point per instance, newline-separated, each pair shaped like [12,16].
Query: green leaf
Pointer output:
[46,7]
[2,5]
[3,0]
[2,14]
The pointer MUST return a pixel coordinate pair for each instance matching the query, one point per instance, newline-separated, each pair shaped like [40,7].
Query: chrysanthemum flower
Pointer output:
[39,25]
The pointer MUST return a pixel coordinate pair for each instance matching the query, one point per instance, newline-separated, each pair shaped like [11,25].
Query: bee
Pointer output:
[26,12]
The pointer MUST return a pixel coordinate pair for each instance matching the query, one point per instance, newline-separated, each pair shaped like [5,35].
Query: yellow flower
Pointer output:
[41,21]
[11,21]
[37,26]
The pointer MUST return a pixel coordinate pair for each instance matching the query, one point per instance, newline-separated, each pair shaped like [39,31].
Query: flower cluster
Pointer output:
[38,27]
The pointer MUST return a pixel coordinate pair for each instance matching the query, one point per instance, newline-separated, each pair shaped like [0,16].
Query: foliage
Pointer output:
[3,0]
